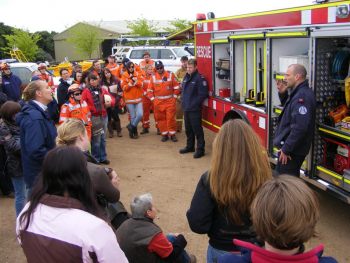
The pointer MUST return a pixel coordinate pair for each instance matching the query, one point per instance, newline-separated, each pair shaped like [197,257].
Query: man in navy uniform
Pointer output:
[194,92]
[296,123]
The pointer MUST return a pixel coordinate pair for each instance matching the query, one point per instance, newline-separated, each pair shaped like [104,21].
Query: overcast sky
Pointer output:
[57,15]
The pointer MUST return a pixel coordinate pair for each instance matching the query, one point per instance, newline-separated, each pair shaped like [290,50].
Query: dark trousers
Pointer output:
[292,167]
[194,130]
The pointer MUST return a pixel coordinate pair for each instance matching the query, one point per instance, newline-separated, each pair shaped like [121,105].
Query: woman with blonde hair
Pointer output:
[105,181]
[220,205]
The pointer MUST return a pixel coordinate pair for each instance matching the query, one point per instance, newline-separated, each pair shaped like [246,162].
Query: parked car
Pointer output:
[119,52]
[169,55]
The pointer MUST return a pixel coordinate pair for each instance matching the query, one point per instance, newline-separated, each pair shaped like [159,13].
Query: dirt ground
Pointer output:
[148,165]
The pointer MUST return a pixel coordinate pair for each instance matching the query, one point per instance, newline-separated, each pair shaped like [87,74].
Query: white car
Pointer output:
[169,55]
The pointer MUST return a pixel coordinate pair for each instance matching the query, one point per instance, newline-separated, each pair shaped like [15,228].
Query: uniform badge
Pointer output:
[302,110]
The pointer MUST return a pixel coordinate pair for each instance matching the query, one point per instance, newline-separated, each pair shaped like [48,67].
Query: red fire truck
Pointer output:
[242,57]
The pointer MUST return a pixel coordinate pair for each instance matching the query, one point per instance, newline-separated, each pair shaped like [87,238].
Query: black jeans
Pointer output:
[194,130]
[113,114]
[292,167]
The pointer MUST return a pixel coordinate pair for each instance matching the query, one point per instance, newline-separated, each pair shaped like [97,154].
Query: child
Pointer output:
[284,214]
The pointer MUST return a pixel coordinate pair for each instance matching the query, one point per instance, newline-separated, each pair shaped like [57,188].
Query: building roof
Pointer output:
[121,26]
[118,27]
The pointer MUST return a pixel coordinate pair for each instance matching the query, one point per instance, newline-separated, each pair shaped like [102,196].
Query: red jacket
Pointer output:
[87,96]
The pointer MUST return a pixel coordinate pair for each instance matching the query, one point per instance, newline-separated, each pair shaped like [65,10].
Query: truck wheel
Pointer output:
[235,114]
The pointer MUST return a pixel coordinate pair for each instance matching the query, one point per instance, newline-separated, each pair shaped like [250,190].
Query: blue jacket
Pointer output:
[194,91]
[255,254]
[11,86]
[296,123]
[38,134]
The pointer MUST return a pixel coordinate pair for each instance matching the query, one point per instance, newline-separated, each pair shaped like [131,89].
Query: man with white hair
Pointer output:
[144,242]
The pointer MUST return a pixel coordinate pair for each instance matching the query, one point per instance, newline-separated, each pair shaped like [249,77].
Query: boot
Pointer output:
[173,138]
[144,131]
[135,133]
[115,125]
[130,129]
[110,129]
[118,128]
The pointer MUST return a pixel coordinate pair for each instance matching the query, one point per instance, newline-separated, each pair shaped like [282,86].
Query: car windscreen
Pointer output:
[180,51]
[138,53]
[23,73]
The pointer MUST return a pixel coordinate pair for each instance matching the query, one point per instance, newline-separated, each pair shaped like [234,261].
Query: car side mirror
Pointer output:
[172,57]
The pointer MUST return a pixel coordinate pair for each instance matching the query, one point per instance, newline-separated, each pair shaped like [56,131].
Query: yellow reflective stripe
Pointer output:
[279,11]
[254,67]
[335,134]
[219,41]
[248,36]
[329,172]
[265,71]
[207,122]
[245,68]
[346,181]
[215,126]
[179,119]
[287,34]
[280,77]
[278,111]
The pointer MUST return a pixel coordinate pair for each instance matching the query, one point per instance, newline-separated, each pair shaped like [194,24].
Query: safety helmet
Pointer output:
[124,61]
[41,66]
[159,64]
[74,87]
[4,66]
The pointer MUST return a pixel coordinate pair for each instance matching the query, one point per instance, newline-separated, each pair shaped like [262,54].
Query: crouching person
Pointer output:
[284,213]
[143,241]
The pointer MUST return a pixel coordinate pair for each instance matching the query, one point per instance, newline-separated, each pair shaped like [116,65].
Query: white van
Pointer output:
[169,55]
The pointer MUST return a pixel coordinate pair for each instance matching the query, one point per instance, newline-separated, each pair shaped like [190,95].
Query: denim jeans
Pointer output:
[20,193]
[213,254]
[98,143]
[184,257]
[136,113]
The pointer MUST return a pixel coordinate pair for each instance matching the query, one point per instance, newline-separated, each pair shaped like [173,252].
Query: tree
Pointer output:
[85,38]
[142,27]
[24,41]
[4,30]
[46,43]
[178,25]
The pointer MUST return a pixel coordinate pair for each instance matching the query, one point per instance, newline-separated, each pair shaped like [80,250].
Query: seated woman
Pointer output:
[221,202]
[105,181]
[62,221]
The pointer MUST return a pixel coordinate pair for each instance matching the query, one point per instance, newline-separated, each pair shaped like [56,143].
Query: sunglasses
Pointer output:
[77,93]
[159,68]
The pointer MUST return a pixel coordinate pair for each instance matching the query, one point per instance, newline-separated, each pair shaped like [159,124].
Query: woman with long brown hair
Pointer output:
[220,205]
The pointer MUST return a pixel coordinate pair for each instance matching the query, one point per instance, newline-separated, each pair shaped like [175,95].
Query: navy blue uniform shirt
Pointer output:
[194,91]
[296,123]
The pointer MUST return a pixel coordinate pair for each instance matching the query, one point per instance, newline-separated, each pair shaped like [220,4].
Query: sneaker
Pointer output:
[198,154]
[186,150]
[164,138]
[173,138]
[144,131]
[105,162]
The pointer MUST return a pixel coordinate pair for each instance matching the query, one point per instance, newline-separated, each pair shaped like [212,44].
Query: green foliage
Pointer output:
[24,41]
[178,25]
[42,55]
[4,30]
[85,38]
[142,27]
[46,43]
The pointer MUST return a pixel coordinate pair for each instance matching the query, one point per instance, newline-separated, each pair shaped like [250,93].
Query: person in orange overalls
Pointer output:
[164,89]
[76,108]
[44,75]
[132,89]
[112,66]
[146,61]
[146,102]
